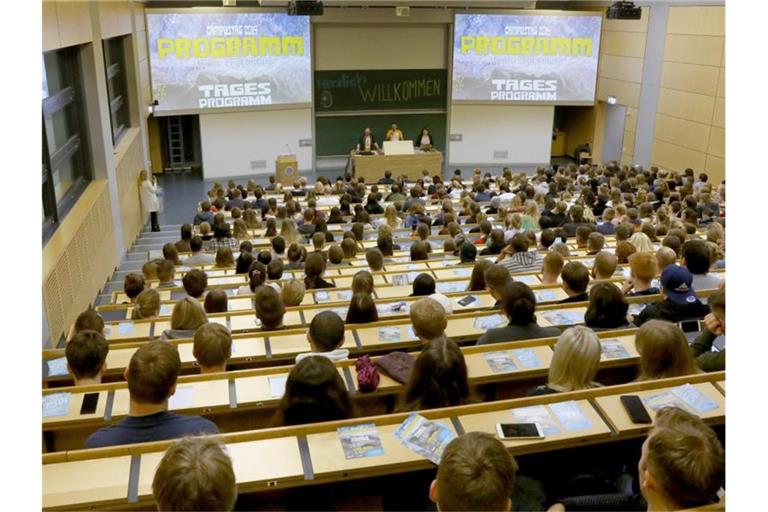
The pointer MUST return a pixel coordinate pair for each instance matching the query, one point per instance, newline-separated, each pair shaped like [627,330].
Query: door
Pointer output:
[613,138]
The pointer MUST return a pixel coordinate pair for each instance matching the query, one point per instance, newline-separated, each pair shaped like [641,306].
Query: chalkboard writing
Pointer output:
[380,90]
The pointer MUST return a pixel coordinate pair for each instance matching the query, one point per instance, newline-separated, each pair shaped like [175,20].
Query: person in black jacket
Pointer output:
[714,323]
[680,301]
[519,304]
[367,141]
[424,139]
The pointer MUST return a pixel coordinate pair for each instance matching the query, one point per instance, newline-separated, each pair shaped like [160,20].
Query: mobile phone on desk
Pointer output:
[635,408]
[519,431]
[90,400]
[466,301]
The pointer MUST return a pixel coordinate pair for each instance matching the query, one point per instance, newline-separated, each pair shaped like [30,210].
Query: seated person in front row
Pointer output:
[195,473]
[519,304]
[607,308]
[195,283]
[429,320]
[604,266]
[642,270]
[187,316]
[133,284]
[270,309]
[682,466]
[86,356]
[574,362]
[151,376]
[89,320]
[575,278]
[496,279]
[551,266]
[212,347]
[476,472]
[680,301]
[326,336]
[714,326]
[314,392]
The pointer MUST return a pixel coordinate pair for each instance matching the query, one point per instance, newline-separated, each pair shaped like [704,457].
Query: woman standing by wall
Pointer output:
[148,191]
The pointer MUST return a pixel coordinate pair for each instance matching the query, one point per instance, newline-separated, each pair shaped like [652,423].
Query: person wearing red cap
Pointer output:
[680,300]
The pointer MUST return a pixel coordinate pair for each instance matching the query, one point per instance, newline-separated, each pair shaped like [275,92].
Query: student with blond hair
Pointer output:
[224,258]
[641,242]
[293,292]
[147,305]
[195,473]
[151,377]
[429,320]
[187,316]
[212,347]
[574,362]
[665,256]
[664,351]
[642,270]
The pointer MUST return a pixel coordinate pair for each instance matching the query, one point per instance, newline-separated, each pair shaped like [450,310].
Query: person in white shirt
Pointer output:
[327,199]
[149,201]
[326,336]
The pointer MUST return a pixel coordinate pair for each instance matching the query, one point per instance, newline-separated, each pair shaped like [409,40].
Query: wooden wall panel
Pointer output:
[697,20]
[115,17]
[682,133]
[626,93]
[74,22]
[671,156]
[706,50]
[623,44]
[686,105]
[51,39]
[721,83]
[78,258]
[717,142]
[715,167]
[129,160]
[629,69]
[690,77]
[718,119]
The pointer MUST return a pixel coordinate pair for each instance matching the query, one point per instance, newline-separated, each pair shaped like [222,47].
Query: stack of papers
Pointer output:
[464,272]
[489,322]
[545,296]
[399,280]
[613,349]
[537,414]
[344,295]
[322,296]
[451,287]
[570,415]
[389,334]
[277,385]
[500,362]
[56,404]
[685,397]
[427,438]
[563,317]
[359,441]
[57,367]
[527,357]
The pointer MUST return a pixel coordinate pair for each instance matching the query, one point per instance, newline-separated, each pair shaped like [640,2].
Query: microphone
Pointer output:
[289,149]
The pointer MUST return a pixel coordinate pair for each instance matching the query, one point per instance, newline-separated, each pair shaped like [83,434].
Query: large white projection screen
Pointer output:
[213,61]
[531,58]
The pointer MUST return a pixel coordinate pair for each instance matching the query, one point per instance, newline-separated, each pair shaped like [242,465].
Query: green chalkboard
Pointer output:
[338,135]
[397,89]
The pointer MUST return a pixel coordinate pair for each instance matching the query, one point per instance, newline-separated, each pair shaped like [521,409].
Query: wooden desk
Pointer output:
[372,167]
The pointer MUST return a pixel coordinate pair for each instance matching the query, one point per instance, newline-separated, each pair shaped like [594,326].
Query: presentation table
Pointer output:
[372,167]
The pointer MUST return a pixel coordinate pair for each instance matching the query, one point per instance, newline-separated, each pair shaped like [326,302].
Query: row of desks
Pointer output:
[287,457]
[229,394]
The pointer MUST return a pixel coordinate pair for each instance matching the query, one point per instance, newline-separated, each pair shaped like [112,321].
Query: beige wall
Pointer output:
[85,249]
[690,116]
[622,51]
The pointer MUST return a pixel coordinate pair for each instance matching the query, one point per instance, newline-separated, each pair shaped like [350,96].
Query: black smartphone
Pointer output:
[519,431]
[90,400]
[466,301]
[635,408]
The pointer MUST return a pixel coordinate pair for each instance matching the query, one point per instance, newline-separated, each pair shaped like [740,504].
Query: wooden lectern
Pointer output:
[286,169]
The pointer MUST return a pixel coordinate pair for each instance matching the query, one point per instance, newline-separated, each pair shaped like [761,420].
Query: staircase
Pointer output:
[148,243]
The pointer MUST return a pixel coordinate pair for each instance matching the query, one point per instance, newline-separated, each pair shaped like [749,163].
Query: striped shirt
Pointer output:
[522,263]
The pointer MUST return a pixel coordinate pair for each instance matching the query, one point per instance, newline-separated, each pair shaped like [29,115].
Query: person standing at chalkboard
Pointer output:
[394,133]
[424,140]
[367,141]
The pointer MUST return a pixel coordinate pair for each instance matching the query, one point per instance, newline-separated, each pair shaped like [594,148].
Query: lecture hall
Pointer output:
[407,255]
